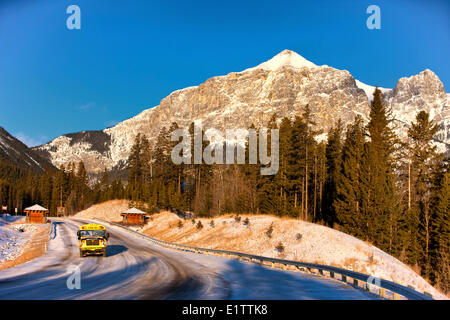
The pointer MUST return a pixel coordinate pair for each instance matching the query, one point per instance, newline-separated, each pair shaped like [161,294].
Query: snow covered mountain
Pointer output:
[13,151]
[283,85]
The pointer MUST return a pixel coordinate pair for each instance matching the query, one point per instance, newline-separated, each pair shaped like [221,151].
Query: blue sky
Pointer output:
[126,58]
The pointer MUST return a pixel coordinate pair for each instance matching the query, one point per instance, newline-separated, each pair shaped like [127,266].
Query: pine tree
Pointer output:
[296,168]
[282,179]
[333,155]
[310,154]
[440,235]
[134,188]
[423,164]
[267,184]
[349,191]
[380,205]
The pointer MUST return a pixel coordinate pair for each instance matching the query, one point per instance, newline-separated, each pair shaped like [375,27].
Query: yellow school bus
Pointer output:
[93,239]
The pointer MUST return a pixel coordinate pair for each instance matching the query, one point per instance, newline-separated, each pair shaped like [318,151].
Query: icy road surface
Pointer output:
[137,269]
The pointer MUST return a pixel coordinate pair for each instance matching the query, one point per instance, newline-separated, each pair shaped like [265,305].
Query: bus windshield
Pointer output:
[92,233]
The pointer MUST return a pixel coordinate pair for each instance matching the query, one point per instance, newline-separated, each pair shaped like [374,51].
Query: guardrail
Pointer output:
[386,289]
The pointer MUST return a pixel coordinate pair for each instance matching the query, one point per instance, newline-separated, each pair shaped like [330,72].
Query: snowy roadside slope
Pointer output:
[12,242]
[109,210]
[318,244]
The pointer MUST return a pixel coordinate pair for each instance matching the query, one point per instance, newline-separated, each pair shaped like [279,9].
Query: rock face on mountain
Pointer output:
[284,85]
[420,92]
[13,151]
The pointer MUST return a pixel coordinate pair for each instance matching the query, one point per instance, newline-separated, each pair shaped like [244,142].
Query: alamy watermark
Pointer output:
[74,279]
[74,20]
[234,145]
[374,20]
[373,283]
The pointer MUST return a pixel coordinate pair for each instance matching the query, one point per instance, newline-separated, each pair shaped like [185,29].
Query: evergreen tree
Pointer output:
[440,235]
[380,206]
[349,191]
[282,179]
[267,184]
[333,155]
[423,166]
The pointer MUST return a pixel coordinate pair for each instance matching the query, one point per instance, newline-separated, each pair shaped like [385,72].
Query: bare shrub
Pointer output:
[370,255]
[199,225]
[280,247]
[270,231]
[298,236]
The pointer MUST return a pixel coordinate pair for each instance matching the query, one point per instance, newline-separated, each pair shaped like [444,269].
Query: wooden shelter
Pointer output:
[36,214]
[133,216]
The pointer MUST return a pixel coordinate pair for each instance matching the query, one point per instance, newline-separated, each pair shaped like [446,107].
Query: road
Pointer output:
[137,269]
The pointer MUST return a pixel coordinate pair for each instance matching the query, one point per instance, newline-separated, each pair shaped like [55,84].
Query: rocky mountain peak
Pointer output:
[426,82]
[423,91]
[285,58]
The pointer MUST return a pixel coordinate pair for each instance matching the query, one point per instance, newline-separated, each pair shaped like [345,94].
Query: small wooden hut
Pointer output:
[36,214]
[133,216]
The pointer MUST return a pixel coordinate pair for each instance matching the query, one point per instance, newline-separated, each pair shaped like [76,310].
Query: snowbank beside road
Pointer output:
[13,241]
[7,219]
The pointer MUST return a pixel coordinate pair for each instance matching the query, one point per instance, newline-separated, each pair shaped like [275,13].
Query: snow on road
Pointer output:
[137,269]
[251,281]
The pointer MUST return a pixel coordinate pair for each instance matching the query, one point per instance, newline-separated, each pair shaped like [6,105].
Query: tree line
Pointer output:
[68,187]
